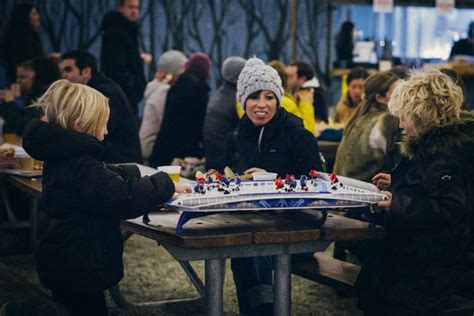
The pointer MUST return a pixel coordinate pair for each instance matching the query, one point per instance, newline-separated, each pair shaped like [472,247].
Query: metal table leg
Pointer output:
[214,270]
[34,211]
[282,285]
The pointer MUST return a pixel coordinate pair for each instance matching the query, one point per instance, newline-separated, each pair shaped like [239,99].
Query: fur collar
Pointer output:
[452,136]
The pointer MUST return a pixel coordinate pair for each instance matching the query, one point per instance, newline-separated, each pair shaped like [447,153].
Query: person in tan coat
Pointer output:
[349,101]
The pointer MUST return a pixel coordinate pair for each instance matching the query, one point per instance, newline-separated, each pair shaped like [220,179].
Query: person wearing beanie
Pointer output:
[181,133]
[200,65]
[268,138]
[169,65]
[221,117]
[304,109]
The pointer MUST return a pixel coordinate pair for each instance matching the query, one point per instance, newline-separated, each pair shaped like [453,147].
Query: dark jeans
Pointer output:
[81,303]
[254,284]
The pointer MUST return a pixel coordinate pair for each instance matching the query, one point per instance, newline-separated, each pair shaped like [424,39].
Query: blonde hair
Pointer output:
[427,99]
[75,106]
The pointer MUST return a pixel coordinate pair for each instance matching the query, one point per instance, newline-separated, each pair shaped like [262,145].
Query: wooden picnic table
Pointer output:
[214,238]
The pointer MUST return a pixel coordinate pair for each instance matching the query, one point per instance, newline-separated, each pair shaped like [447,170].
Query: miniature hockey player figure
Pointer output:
[313,174]
[303,180]
[278,183]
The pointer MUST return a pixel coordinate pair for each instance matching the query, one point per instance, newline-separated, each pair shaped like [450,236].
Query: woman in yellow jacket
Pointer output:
[303,108]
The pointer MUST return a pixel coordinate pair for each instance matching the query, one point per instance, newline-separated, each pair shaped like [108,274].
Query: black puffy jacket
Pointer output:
[120,56]
[80,244]
[428,224]
[282,146]
[122,126]
[181,131]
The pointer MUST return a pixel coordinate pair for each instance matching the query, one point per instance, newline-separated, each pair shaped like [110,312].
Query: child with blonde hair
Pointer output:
[428,216]
[79,252]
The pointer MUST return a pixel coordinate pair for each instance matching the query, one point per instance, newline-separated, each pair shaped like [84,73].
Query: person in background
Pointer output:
[428,214]
[181,132]
[21,40]
[457,79]
[170,65]
[349,102]
[124,146]
[304,109]
[33,79]
[369,142]
[464,46]
[120,57]
[267,138]
[301,80]
[221,117]
[401,71]
[79,252]
[345,42]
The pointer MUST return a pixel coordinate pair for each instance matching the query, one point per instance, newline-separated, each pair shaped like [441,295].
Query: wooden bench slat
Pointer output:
[328,271]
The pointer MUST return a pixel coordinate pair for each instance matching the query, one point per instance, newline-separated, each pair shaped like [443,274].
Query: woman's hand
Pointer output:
[254,169]
[15,88]
[182,188]
[385,205]
[305,95]
[7,95]
[382,180]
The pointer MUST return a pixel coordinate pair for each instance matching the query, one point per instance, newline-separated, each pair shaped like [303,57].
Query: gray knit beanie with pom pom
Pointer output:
[257,76]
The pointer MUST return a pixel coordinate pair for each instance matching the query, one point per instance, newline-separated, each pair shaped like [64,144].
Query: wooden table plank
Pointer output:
[245,228]
[31,186]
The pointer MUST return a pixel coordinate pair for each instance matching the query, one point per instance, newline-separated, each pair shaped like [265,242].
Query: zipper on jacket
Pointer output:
[260,139]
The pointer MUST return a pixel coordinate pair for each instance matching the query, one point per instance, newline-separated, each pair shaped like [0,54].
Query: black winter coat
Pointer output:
[19,47]
[283,146]
[181,131]
[427,225]
[80,244]
[122,126]
[221,119]
[120,56]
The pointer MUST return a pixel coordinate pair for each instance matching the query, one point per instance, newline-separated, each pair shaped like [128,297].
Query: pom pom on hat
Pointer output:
[172,61]
[231,69]
[257,76]
[200,64]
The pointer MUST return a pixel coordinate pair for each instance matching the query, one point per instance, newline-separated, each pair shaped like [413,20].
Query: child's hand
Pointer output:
[385,205]
[182,188]
[382,180]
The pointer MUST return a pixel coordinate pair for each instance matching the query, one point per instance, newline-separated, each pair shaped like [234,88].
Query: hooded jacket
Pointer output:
[370,147]
[80,244]
[428,224]
[221,119]
[122,127]
[181,130]
[120,56]
[282,146]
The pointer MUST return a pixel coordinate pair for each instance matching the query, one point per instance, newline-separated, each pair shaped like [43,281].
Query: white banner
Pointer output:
[383,6]
[445,7]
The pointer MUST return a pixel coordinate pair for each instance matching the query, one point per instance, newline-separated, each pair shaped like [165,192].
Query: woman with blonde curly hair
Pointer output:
[427,217]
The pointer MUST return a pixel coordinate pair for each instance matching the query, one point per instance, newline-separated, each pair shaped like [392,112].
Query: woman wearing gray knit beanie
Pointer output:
[267,139]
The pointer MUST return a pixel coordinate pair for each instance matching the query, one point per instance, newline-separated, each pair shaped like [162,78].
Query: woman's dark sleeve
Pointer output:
[440,202]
